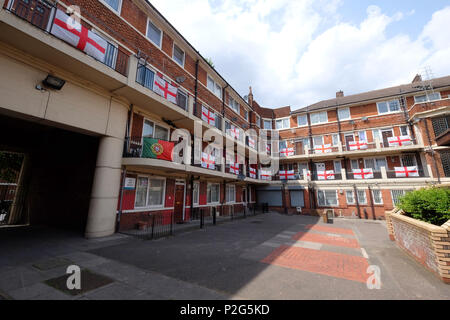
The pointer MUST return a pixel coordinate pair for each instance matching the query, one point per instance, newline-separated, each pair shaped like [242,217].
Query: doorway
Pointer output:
[179,202]
[385,134]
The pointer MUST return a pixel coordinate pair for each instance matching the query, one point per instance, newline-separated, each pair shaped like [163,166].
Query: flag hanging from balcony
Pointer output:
[325,175]
[234,168]
[265,175]
[406,172]
[157,149]
[400,141]
[234,132]
[253,173]
[72,32]
[164,88]
[358,145]
[325,148]
[251,142]
[287,152]
[208,116]
[362,174]
[208,161]
[287,174]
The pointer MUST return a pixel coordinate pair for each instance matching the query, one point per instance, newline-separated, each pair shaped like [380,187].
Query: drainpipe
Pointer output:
[357,201]
[129,127]
[432,151]
[371,203]
[191,183]
[121,199]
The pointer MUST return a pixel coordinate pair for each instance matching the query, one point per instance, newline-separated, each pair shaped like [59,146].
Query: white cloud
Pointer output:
[291,55]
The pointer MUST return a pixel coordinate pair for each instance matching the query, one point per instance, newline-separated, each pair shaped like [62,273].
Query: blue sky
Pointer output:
[298,52]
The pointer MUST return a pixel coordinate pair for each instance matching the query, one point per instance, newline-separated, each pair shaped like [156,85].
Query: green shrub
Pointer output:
[431,205]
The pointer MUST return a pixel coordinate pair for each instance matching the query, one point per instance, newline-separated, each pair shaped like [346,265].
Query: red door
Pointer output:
[179,203]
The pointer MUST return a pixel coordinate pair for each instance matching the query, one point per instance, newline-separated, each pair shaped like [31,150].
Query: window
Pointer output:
[212,193]
[230,193]
[408,160]
[362,197]
[377,197]
[445,159]
[258,121]
[302,120]
[113,4]
[234,105]
[396,194]
[319,117]
[268,124]
[335,139]
[110,55]
[376,135]
[388,106]
[428,97]
[145,76]
[246,115]
[318,141]
[337,166]
[154,33]
[178,55]
[327,198]
[375,164]
[362,136]
[350,196]
[283,144]
[218,122]
[152,130]
[182,99]
[196,192]
[344,114]
[150,192]
[302,166]
[306,143]
[214,87]
[282,124]
[404,131]
[354,164]
[440,125]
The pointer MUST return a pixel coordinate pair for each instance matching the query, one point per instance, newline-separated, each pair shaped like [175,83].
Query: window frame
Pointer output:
[163,196]
[349,114]
[318,113]
[173,55]
[283,123]
[426,95]
[215,85]
[298,122]
[324,193]
[196,190]
[389,107]
[119,9]
[264,124]
[258,121]
[353,196]
[146,33]
[228,193]
[208,186]
[365,196]
[181,92]
[381,197]
[234,105]
[154,124]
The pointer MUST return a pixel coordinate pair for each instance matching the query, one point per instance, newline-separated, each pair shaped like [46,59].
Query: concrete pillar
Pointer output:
[132,70]
[344,173]
[383,173]
[191,105]
[105,190]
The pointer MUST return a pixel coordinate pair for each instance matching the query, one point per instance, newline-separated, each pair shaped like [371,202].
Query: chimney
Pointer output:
[417,78]
[340,94]
[250,97]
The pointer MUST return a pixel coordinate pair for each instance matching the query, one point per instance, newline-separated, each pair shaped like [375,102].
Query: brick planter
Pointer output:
[426,243]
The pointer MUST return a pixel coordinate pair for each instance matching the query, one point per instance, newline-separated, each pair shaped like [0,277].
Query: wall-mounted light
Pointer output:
[54,82]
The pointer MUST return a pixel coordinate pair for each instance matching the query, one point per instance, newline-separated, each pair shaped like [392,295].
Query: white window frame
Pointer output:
[349,114]
[182,92]
[196,187]
[320,121]
[146,33]
[246,114]
[173,55]
[324,192]
[218,196]
[407,130]
[376,169]
[264,124]
[373,196]
[365,196]
[162,205]
[333,136]
[234,105]
[230,193]
[389,109]
[339,164]
[283,123]
[427,97]
[298,122]
[404,191]
[215,85]
[119,9]
[154,124]
[258,121]
[322,143]
[353,196]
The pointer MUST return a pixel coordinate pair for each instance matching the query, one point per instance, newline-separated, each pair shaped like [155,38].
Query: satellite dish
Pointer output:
[180,79]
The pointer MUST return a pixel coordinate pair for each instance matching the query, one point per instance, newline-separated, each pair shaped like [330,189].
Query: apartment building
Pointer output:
[110,116]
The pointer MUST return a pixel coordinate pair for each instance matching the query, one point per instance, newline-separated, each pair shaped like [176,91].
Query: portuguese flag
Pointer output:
[157,149]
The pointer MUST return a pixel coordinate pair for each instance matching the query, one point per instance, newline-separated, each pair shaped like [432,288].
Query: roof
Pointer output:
[376,94]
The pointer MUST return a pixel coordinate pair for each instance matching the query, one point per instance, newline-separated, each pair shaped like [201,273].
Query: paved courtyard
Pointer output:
[269,256]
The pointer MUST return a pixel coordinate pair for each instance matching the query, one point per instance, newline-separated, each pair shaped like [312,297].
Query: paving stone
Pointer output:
[52,263]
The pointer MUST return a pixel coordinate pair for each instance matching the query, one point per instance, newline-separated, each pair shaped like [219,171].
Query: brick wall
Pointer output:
[427,244]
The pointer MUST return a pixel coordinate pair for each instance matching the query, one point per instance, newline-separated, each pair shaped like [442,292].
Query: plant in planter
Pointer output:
[431,205]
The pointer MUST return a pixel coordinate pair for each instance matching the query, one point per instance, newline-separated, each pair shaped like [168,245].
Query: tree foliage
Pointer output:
[431,205]
[10,165]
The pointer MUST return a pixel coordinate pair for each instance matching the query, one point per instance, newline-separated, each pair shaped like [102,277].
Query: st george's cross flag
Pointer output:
[325,175]
[252,173]
[208,116]
[234,167]
[406,172]
[400,141]
[68,29]
[164,88]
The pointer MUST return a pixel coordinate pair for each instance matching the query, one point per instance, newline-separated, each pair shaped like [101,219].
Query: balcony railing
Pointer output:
[40,13]
[134,148]
[392,175]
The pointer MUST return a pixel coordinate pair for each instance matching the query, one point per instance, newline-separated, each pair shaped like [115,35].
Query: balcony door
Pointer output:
[34,11]
[385,134]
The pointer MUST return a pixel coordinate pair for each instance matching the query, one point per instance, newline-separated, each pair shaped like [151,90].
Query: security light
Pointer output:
[54,82]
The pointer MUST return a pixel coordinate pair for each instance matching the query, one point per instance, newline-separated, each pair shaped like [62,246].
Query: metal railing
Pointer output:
[155,225]
[40,14]
[133,147]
